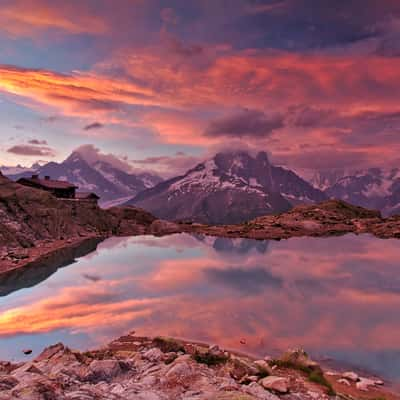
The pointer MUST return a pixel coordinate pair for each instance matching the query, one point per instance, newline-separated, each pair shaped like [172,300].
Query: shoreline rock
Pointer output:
[331,218]
[142,368]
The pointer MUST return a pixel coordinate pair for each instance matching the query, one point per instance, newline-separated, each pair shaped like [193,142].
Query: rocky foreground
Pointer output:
[139,368]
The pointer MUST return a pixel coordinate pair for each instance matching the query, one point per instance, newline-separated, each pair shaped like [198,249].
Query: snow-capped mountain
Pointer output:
[19,169]
[229,188]
[113,185]
[235,246]
[374,188]
[323,179]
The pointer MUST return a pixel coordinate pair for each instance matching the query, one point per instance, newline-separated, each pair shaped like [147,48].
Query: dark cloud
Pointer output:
[307,24]
[167,166]
[94,125]
[169,16]
[326,158]
[31,150]
[303,116]
[92,155]
[250,281]
[250,123]
[38,142]
[179,47]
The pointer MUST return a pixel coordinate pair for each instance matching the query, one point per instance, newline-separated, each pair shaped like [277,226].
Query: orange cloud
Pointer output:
[74,94]
[26,17]
[176,94]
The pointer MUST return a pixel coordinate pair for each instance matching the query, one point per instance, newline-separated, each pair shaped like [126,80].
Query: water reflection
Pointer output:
[337,297]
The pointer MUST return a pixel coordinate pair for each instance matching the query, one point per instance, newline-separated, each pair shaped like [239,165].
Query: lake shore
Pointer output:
[331,218]
[143,368]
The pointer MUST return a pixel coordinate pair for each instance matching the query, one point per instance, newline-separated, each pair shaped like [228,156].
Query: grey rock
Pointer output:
[275,383]
[103,370]
[154,354]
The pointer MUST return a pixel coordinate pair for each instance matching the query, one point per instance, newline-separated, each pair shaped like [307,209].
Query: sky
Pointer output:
[162,84]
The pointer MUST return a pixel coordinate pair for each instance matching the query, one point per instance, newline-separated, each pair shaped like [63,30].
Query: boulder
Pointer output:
[364,384]
[162,227]
[27,368]
[154,355]
[103,370]
[259,393]
[351,376]
[7,382]
[239,368]
[275,383]
[50,351]
[264,367]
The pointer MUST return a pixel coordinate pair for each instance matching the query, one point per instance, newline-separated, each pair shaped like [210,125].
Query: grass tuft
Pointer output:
[210,359]
[168,345]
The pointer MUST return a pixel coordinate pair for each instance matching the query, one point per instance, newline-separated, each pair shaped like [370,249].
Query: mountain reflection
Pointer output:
[336,297]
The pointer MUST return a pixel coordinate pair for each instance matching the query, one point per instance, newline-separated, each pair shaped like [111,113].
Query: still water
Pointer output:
[337,297]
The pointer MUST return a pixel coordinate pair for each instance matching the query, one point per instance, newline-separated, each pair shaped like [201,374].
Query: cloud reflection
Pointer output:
[322,294]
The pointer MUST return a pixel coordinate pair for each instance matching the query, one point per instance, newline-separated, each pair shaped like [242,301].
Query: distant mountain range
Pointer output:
[229,188]
[113,185]
[373,188]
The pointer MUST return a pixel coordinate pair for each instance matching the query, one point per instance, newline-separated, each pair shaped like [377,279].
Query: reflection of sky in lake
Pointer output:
[337,297]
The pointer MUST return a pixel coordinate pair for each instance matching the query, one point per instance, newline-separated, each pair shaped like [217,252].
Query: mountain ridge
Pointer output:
[111,184]
[232,187]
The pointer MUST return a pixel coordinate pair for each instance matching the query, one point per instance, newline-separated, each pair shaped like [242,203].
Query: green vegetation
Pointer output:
[314,374]
[210,359]
[318,377]
[168,345]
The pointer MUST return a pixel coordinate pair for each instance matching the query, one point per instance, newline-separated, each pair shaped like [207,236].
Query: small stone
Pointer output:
[344,382]
[213,347]
[364,384]
[351,376]
[275,383]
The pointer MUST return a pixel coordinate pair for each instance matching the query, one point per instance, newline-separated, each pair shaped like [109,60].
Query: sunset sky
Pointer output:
[162,84]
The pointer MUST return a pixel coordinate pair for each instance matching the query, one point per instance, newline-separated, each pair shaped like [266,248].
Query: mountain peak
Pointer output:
[75,157]
[228,188]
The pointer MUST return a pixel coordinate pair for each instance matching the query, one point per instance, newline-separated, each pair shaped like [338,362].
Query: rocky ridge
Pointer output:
[329,218]
[34,225]
[141,368]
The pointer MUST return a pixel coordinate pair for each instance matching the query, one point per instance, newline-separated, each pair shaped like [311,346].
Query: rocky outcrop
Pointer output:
[332,217]
[141,368]
[37,228]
